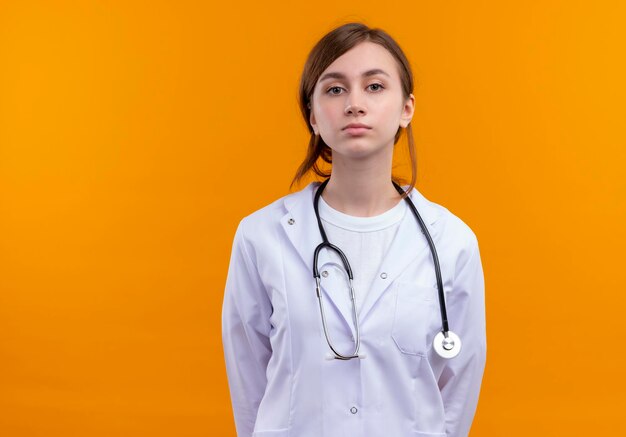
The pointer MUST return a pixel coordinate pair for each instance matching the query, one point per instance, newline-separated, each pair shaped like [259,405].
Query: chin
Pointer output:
[357,150]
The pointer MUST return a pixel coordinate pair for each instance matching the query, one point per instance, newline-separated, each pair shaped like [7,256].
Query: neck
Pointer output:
[361,189]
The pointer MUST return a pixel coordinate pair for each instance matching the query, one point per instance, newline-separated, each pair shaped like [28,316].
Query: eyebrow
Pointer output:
[337,75]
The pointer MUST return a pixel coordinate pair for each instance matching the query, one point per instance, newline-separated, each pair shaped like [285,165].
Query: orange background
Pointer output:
[135,135]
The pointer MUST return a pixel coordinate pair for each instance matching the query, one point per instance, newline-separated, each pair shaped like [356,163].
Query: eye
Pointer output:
[333,88]
[377,88]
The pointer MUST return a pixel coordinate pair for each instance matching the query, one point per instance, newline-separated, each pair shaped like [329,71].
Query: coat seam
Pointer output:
[288,333]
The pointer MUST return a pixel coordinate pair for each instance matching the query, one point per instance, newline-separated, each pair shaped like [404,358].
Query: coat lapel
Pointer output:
[408,245]
[300,224]
[301,228]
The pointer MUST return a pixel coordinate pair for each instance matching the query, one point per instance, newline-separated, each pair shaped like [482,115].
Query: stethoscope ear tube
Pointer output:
[316,274]
[357,343]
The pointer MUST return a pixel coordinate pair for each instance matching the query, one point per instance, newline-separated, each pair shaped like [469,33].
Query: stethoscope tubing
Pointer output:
[316,274]
[433,250]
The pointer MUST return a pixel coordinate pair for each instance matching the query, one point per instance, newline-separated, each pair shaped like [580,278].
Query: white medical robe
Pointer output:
[281,381]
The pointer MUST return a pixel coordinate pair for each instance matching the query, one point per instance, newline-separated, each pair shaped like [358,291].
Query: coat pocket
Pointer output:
[416,317]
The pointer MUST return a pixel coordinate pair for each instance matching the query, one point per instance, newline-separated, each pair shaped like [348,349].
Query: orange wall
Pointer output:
[135,135]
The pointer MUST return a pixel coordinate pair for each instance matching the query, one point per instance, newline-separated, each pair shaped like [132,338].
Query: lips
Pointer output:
[356,126]
[356,129]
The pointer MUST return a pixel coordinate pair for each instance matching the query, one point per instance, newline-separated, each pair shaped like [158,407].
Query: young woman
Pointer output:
[354,307]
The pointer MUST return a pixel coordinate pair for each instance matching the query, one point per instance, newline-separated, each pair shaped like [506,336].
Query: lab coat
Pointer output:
[282,383]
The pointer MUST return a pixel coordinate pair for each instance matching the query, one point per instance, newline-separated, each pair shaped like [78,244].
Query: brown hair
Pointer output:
[330,47]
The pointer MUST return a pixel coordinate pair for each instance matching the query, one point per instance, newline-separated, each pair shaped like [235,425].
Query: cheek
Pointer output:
[389,116]
[392,114]
[326,118]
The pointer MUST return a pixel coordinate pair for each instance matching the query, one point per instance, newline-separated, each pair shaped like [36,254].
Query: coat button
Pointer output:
[291,221]
[325,274]
[353,410]
[383,275]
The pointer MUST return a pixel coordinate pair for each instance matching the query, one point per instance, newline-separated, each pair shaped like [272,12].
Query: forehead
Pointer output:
[363,57]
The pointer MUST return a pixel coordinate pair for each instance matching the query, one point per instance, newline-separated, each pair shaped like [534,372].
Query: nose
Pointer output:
[354,105]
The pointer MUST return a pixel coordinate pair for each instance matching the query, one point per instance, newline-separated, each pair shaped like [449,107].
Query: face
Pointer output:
[362,86]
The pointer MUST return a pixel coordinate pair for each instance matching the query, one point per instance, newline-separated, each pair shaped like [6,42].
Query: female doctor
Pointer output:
[346,312]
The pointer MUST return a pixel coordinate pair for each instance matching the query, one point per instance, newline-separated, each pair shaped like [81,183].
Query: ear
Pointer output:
[407,111]
[312,120]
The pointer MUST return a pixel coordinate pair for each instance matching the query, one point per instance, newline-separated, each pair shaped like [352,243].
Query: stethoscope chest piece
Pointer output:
[447,347]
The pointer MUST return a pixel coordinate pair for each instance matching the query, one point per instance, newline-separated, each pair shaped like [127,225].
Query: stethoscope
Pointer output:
[446,343]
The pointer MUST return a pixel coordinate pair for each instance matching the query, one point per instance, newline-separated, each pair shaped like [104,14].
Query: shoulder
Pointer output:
[452,231]
[265,221]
